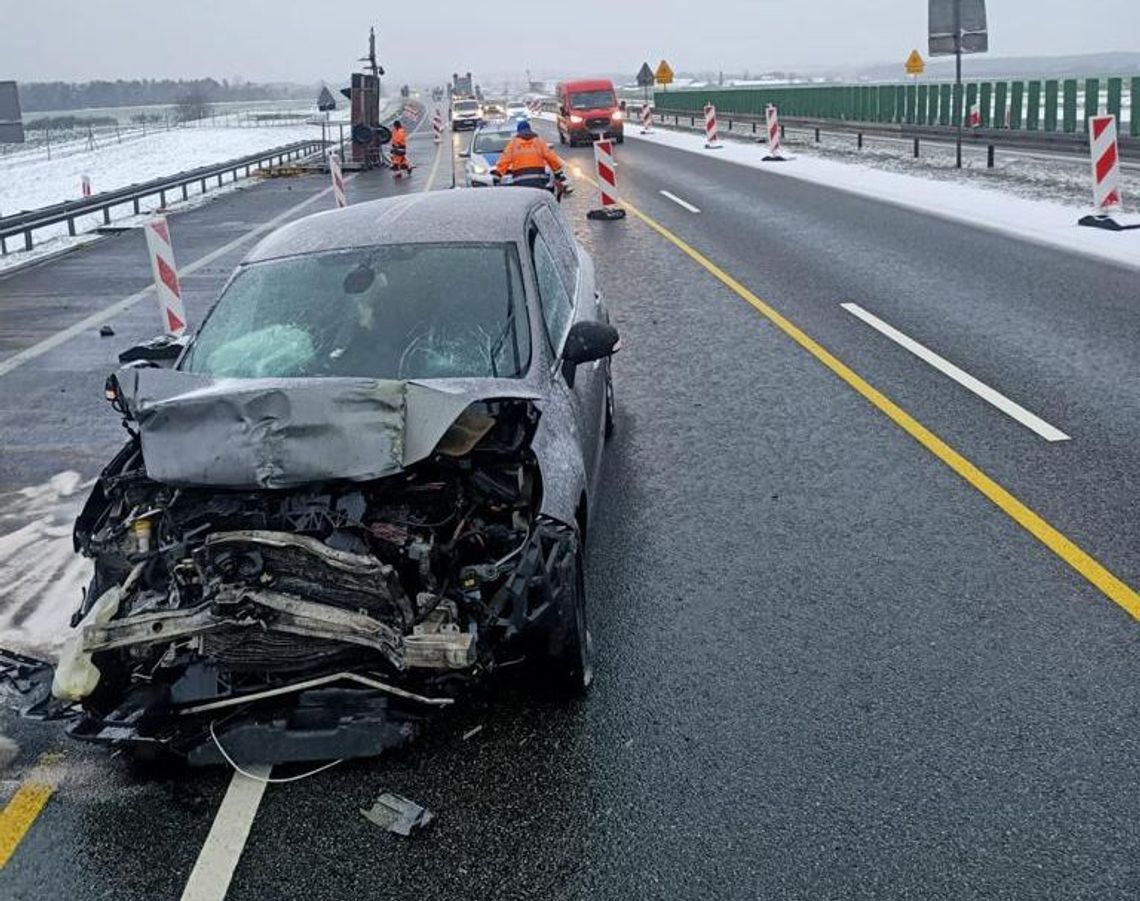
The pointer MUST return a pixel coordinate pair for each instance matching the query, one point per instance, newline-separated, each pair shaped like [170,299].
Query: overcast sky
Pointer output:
[259,40]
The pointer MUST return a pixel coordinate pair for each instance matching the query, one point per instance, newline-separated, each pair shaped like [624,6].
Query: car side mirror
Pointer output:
[162,351]
[621,106]
[465,154]
[587,342]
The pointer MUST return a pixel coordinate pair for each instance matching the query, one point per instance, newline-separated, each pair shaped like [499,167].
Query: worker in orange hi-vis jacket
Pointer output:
[400,150]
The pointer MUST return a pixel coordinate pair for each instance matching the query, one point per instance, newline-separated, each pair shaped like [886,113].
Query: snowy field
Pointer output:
[29,180]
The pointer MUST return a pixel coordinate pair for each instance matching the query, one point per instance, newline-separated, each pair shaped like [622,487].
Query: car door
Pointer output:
[567,287]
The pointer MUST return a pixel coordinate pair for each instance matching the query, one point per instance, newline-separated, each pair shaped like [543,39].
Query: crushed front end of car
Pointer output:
[306,569]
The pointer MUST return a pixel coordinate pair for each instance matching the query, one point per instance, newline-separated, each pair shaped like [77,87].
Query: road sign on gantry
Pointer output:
[915,64]
[645,76]
[664,74]
[951,19]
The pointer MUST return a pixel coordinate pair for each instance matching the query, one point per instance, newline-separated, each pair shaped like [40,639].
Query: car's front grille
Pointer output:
[597,123]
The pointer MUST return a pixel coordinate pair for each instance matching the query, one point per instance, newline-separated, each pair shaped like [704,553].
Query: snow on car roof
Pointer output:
[434,216]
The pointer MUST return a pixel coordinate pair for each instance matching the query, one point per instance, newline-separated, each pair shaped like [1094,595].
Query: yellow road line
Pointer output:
[19,814]
[1084,563]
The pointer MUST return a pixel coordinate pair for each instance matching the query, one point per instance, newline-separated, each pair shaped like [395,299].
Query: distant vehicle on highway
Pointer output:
[493,109]
[487,144]
[516,109]
[588,110]
[466,114]
[362,487]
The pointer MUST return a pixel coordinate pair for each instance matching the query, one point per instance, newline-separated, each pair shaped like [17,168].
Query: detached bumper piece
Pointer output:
[324,723]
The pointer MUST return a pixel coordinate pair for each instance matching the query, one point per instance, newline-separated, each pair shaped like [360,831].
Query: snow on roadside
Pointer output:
[41,576]
[28,183]
[1040,221]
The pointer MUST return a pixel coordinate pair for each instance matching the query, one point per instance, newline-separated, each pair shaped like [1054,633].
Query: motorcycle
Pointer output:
[556,187]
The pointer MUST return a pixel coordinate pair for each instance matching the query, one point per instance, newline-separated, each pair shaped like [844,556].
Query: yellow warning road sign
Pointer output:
[915,64]
[664,73]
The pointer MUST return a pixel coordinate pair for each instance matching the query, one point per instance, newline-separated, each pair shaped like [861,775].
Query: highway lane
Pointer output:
[1056,333]
[827,667]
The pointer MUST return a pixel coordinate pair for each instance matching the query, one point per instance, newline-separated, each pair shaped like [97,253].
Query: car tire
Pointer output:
[620,139]
[569,662]
[610,406]
[561,137]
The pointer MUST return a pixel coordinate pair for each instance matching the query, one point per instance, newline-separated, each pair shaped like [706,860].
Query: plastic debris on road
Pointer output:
[398,814]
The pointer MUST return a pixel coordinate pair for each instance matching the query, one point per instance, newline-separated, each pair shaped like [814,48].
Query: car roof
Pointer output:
[588,84]
[461,215]
[497,125]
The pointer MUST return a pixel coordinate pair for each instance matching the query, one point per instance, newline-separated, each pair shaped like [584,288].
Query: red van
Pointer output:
[588,110]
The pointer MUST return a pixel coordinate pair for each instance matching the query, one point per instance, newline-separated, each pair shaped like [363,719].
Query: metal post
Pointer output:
[916,148]
[817,135]
[860,140]
[990,157]
[958,71]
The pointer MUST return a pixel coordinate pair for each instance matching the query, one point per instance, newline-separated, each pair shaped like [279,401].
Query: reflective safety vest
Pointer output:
[526,159]
[399,142]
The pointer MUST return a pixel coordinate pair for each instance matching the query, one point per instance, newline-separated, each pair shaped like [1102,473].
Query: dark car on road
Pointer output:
[364,485]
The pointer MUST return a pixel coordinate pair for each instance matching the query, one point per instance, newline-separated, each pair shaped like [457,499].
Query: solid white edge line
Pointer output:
[681,203]
[214,869]
[97,319]
[984,391]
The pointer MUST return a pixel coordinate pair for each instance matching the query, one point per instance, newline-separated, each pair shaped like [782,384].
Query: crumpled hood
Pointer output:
[282,433]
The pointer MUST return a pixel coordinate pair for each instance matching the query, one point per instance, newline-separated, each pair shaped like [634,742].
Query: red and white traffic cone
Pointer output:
[775,150]
[437,127]
[166,284]
[1107,195]
[85,186]
[646,119]
[337,180]
[607,179]
[712,142]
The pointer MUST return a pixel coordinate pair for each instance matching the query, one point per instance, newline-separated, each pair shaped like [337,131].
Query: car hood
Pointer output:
[281,433]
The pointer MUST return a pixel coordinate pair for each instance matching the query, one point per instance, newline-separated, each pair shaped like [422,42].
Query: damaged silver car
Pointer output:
[364,485]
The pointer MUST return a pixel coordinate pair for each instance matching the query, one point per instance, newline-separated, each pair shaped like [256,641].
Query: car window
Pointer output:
[492,141]
[561,245]
[404,311]
[557,307]
[592,100]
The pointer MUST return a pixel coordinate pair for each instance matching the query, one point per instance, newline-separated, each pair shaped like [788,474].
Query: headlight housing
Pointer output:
[576,120]
[477,168]
[617,115]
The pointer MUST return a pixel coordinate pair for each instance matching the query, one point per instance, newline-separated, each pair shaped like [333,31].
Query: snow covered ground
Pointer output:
[1006,202]
[29,180]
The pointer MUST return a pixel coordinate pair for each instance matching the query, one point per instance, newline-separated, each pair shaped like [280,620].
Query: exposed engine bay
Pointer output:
[312,622]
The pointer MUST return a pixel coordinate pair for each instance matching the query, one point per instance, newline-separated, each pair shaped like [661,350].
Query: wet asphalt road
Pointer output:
[827,667]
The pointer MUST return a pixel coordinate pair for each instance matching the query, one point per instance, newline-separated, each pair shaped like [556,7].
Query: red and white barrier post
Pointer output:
[607,179]
[166,285]
[646,119]
[712,142]
[85,186]
[975,120]
[337,180]
[775,148]
[1107,195]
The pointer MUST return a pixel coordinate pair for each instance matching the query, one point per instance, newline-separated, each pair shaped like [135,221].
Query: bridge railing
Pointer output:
[29,222]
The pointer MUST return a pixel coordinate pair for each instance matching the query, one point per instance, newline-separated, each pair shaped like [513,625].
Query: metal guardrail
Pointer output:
[990,138]
[26,223]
